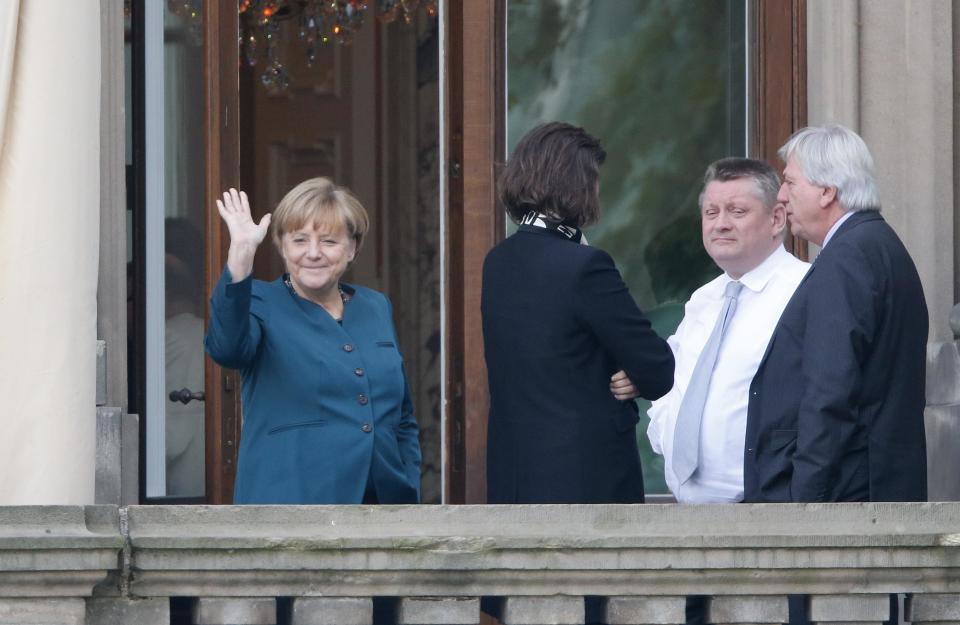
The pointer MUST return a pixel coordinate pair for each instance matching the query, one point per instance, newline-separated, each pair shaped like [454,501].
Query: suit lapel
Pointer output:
[776,330]
[854,220]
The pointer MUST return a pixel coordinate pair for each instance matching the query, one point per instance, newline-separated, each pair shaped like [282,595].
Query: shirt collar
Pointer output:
[836,226]
[758,277]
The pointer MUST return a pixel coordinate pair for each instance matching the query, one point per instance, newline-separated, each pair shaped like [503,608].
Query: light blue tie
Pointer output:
[686,436]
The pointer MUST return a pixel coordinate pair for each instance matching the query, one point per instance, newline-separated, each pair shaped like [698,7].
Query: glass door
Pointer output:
[166,244]
[260,96]
[664,86]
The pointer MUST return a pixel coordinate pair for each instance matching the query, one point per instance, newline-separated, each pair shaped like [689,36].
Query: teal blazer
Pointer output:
[326,406]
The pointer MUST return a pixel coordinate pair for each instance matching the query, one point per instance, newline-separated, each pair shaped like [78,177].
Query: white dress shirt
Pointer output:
[767,289]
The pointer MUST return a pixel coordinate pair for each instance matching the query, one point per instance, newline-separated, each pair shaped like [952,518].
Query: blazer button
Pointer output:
[359,372]
[363,399]
[348,347]
[366,427]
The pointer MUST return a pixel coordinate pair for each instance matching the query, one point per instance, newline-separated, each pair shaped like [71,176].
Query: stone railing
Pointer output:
[535,565]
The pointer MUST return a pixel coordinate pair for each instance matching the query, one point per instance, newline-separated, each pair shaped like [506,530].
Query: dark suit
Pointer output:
[836,406]
[558,322]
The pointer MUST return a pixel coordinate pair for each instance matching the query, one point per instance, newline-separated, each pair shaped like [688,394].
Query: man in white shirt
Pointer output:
[743,230]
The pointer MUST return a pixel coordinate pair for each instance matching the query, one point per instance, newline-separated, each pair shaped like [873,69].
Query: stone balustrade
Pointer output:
[433,565]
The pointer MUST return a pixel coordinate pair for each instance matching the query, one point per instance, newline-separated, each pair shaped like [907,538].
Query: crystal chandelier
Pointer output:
[318,23]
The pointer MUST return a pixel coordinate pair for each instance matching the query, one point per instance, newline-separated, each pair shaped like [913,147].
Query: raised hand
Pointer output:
[245,234]
[622,388]
[234,209]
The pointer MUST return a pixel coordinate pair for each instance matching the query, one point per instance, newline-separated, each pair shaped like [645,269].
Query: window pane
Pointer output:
[174,248]
[662,83]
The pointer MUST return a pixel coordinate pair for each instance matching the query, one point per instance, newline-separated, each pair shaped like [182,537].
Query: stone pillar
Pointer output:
[42,612]
[108,476]
[942,418]
[234,611]
[833,62]
[906,103]
[932,608]
[849,609]
[748,609]
[645,610]
[439,611]
[332,611]
[886,68]
[555,610]
[122,611]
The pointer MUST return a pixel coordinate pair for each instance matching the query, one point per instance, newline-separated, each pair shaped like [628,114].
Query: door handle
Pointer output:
[185,395]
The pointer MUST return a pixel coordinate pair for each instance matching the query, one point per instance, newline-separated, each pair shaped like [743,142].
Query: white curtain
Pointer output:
[9,12]
[49,213]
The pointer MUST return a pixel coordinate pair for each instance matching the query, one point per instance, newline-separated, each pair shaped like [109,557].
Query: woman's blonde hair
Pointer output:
[320,202]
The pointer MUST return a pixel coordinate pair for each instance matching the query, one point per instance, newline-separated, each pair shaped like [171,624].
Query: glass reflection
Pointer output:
[184,247]
[663,84]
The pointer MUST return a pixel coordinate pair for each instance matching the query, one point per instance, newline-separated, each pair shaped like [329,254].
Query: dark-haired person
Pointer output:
[565,343]
[327,416]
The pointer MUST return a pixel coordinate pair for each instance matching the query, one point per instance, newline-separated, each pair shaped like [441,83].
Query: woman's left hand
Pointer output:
[622,388]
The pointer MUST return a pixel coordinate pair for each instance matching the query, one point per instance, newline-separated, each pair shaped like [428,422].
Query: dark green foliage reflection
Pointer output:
[662,84]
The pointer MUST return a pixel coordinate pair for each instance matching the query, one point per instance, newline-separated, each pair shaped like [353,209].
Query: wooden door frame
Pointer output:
[221,24]
[475,140]
[779,82]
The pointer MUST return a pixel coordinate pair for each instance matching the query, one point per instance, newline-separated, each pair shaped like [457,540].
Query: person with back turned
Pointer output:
[566,345]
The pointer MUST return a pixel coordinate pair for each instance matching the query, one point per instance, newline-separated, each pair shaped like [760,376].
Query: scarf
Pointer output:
[539,220]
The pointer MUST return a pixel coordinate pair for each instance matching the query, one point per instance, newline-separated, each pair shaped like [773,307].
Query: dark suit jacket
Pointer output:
[836,406]
[558,321]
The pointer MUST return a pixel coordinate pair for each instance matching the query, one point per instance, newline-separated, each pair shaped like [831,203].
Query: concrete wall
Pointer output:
[887,69]
[614,564]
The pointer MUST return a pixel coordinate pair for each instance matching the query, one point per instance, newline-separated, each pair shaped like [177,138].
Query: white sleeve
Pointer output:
[665,408]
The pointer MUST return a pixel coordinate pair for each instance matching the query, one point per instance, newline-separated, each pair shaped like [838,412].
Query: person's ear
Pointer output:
[827,196]
[779,216]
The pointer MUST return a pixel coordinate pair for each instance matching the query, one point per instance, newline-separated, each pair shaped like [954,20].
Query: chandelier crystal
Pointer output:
[319,22]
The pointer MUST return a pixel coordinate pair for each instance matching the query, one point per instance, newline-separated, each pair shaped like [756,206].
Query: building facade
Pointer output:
[152,120]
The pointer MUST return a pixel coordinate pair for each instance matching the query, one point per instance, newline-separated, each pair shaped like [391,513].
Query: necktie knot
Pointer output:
[733,289]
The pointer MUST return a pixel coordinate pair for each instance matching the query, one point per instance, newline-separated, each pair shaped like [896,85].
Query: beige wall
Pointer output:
[49,222]
[885,69]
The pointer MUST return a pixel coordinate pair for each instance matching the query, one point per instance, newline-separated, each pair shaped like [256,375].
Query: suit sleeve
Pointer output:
[841,318]
[408,434]
[604,304]
[233,336]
